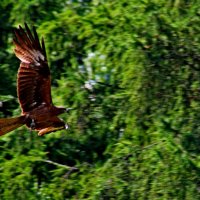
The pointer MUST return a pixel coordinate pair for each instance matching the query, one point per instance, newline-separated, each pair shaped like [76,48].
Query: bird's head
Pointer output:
[60,110]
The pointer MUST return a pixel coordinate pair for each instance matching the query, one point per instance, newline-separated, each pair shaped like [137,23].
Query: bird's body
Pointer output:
[33,87]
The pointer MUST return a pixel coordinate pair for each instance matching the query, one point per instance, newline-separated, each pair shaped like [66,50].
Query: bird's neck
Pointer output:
[59,110]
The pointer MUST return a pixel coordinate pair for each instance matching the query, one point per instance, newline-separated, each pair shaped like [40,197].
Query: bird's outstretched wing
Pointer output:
[34,82]
[53,124]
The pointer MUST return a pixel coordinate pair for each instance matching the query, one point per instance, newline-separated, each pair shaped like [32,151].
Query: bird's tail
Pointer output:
[9,124]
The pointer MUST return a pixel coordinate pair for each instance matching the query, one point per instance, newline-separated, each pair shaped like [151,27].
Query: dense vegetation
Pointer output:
[131,70]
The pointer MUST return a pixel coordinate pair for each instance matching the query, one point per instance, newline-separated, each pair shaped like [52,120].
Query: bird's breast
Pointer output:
[41,113]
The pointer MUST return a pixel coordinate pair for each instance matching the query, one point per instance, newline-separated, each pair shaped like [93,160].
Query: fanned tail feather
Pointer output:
[9,124]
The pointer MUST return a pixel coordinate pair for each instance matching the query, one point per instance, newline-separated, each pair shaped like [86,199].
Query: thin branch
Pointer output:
[60,165]
[153,144]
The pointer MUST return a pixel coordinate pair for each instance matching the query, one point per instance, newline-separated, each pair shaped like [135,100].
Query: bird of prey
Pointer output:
[33,87]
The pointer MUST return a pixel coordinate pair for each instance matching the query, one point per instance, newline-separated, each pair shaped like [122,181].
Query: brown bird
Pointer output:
[33,87]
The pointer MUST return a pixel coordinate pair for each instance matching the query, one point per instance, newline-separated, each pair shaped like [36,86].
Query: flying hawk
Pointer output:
[33,87]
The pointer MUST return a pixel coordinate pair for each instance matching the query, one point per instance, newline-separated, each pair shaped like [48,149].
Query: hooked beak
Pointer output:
[68,109]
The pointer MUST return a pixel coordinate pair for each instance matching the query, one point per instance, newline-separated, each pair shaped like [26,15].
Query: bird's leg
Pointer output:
[32,125]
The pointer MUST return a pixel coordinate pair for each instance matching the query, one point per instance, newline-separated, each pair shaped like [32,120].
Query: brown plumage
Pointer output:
[33,87]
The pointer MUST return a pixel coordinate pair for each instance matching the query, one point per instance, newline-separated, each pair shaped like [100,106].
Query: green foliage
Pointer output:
[130,70]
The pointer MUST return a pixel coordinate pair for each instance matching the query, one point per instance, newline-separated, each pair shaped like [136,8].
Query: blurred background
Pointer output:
[132,71]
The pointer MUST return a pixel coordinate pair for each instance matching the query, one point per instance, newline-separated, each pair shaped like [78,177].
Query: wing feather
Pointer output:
[34,82]
[52,125]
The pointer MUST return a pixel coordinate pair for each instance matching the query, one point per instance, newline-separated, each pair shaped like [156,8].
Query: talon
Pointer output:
[32,125]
